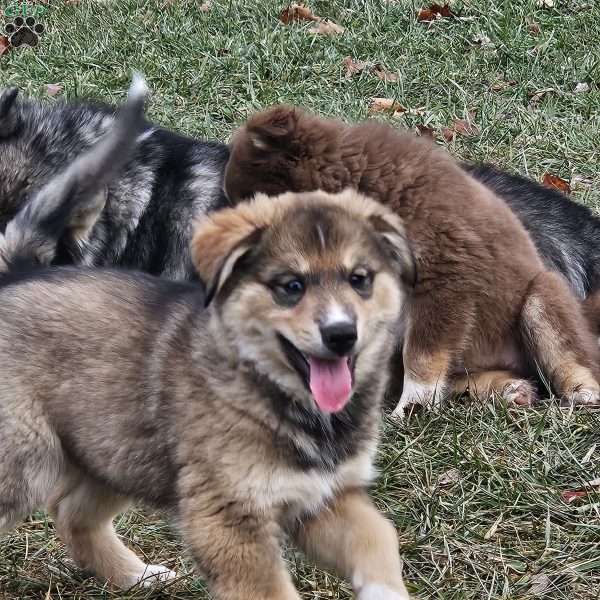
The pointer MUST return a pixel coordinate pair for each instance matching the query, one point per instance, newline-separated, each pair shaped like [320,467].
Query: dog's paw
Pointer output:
[519,392]
[153,575]
[416,394]
[379,591]
[582,397]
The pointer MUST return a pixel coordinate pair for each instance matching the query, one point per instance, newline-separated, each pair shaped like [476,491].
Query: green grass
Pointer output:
[475,491]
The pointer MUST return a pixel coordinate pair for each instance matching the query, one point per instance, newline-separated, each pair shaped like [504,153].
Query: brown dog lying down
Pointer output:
[485,313]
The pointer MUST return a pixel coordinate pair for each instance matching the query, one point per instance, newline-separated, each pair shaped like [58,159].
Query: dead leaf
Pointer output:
[386,105]
[425,131]
[483,41]
[327,27]
[449,476]
[53,89]
[353,66]
[205,6]
[448,134]
[537,96]
[296,12]
[433,12]
[4,45]
[384,74]
[533,28]
[539,585]
[582,87]
[556,182]
[571,495]
[500,85]
[465,127]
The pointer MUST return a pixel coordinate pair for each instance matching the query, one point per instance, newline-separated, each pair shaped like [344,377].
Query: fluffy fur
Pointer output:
[484,304]
[140,217]
[118,386]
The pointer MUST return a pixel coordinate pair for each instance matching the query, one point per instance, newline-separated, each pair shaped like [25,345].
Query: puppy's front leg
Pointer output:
[352,537]
[237,551]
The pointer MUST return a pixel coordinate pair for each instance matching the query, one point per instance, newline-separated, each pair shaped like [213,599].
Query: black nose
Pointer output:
[339,337]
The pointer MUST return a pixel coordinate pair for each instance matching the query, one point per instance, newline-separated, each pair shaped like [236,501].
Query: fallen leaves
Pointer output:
[571,495]
[386,105]
[501,84]
[354,67]
[463,127]
[539,95]
[326,27]
[557,183]
[4,45]
[299,12]
[425,131]
[433,12]
[53,89]
[296,12]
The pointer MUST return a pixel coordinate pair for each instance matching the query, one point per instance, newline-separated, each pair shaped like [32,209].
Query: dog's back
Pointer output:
[149,205]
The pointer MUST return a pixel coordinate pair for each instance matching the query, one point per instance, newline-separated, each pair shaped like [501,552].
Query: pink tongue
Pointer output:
[330,383]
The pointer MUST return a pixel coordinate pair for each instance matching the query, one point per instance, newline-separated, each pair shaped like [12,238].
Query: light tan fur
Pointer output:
[118,386]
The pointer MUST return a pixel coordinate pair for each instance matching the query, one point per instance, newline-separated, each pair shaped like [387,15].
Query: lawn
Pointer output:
[476,491]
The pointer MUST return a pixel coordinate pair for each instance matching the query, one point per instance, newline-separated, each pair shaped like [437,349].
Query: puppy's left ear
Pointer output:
[390,230]
[223,238]
[274,128]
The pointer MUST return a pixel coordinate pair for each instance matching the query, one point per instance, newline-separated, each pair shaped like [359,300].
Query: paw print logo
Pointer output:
[24,32]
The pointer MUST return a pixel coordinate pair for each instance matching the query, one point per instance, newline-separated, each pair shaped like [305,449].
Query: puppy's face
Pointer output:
[310,290]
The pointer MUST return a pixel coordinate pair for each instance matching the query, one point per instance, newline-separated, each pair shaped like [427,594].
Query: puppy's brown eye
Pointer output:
[288,291]
[362,281]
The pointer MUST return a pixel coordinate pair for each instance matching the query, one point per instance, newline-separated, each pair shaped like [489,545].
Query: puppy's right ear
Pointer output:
[223,238]
[273,129]
[9,114]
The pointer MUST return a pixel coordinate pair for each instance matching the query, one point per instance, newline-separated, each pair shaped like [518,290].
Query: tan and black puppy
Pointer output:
[255,417]
[486,313]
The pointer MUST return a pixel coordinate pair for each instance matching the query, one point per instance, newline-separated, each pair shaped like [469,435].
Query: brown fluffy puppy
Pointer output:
[255,417]
[486,312]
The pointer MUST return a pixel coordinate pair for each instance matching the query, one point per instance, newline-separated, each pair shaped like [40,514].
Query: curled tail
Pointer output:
[71,202]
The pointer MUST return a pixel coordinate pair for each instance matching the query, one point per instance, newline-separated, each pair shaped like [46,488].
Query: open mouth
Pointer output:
[329,380]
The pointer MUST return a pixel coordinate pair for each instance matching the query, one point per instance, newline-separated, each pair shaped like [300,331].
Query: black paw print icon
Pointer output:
[24,32]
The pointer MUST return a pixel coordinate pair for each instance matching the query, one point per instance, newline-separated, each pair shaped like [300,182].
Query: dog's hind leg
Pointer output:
[512,389]
[83,513]
[591,309]
[559,339]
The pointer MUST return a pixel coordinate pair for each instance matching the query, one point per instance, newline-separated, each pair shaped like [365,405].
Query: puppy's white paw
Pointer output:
[154,574]
[582,397]
[519,392]
[415,393]
[379,591]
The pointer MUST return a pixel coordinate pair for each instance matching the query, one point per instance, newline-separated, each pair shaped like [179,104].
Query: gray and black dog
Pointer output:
[141,216]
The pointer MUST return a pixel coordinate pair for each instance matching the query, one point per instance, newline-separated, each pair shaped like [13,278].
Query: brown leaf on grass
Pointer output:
[500,85]
[465,127]
[296,12]
[538,96]
[4,45]
[425,131]
[326,27]
[556,182]
[384,74]
[353,66]
[205,6]
[448,134]
[571,495]
[386,105]
[53,89]
[433,12]
[533,28]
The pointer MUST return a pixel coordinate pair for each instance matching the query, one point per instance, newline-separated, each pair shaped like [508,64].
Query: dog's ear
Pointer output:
[9,115]
[223,238]
[390,229]
[273,129]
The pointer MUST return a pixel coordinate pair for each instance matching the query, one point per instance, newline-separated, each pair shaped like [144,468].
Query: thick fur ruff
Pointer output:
[118,386]
[484,300]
